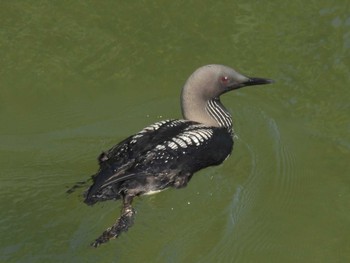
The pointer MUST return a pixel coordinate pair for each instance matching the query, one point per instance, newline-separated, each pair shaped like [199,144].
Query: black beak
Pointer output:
[251,82]
[257,81]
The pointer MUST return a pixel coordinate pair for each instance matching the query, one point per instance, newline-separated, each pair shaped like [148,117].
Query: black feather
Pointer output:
[144,162]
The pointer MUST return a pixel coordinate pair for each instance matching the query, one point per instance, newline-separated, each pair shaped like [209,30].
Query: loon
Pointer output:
[167,153]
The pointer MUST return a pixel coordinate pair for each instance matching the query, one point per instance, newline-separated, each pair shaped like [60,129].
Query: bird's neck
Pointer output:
[208,112]
[219,113]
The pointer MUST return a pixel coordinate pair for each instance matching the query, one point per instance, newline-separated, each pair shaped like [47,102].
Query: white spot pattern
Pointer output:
[204,135]
[154,127]
[185,138]
[180,142]
[194,135]
[160,147]
[172,145]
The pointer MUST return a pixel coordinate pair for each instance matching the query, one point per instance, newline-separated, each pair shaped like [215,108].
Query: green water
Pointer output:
[76,77]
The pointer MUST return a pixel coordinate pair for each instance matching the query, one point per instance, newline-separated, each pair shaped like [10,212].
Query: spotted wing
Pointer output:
[118,163]
[194,148]
[172,161]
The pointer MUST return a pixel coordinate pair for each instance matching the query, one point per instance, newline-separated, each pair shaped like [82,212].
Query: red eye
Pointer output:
[224,79]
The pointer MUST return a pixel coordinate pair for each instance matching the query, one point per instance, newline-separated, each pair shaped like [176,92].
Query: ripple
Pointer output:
[285,179]
[254,211]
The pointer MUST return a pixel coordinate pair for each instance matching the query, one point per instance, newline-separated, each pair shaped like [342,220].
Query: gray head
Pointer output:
[200,95]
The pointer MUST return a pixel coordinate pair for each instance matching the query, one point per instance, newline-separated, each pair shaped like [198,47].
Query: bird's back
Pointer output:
[165,154]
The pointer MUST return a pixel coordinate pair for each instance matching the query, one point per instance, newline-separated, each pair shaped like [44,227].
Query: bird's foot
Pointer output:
[121,225]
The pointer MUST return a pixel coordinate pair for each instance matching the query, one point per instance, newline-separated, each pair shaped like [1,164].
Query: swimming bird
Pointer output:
[167,153]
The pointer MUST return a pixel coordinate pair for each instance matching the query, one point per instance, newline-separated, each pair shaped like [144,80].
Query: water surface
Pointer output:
[77,77]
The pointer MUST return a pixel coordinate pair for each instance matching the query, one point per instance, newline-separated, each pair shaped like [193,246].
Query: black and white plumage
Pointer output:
[162,155]
[167,153]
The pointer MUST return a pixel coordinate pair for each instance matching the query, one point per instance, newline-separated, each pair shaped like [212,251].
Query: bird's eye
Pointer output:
[224,79]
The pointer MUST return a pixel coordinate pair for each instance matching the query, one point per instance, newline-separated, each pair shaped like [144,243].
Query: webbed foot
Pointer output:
[123,223]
